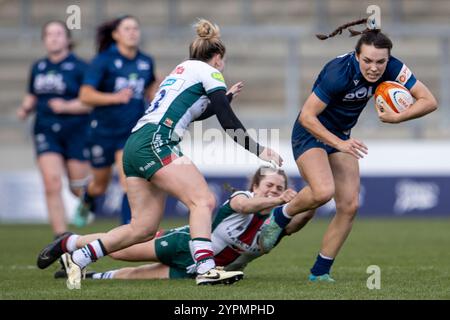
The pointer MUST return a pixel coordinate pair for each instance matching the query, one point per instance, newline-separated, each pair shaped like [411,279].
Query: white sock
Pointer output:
[71,244]
[104,275]
[285,213]
[205,265]
[88,254]
[203,254]
[325,257]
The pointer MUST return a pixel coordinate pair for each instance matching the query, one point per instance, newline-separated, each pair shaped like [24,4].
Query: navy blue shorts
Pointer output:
[302,141]
[102,148]
[68,140]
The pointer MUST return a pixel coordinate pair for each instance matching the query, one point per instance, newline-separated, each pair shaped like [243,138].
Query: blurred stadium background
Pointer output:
[272,48]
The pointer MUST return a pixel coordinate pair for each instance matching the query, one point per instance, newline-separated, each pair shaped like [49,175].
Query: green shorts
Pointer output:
[149,149]
[172,249]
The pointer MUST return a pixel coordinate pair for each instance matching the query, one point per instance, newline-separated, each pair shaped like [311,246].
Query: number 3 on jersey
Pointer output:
[156,102]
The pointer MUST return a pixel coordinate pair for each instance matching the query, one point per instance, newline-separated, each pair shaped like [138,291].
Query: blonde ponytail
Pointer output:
[207,43]
[207,30]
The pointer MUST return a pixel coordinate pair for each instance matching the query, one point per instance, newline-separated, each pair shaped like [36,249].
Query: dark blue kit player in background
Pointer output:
[61,120]
[118,83]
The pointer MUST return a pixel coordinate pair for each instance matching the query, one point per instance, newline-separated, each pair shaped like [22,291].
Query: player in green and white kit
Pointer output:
[235,234]
[155,166]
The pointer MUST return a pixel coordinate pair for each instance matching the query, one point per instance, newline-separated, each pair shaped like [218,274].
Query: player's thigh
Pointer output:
[314,167]
[183,180]
[51,165]
[347,180]
[147,202]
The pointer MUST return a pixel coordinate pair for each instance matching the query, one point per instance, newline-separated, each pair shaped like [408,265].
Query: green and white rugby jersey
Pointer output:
[182,96]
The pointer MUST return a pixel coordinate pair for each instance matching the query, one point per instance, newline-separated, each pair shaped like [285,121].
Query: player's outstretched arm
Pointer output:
[92,97]
[233,127]
[243,204]
[74,106]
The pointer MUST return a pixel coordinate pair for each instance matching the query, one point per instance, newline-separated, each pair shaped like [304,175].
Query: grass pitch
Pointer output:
[413,255]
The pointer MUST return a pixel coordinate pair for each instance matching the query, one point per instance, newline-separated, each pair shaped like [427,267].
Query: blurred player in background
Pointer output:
[61,119]
[235,232]
[326,156]
[155,166]
[118,82]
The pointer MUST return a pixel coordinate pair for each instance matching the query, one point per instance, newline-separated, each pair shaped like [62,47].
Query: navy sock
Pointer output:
[88,199]
[126,210]
[321,266]
[279,217]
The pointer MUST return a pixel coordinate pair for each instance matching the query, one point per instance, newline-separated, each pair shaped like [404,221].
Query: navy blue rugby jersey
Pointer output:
[110,72]
[56,80]
[345,91]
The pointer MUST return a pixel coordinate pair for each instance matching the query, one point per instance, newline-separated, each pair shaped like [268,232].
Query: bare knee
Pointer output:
[143,233]
[348,209]
[53,184]
[207,201]
[322,194]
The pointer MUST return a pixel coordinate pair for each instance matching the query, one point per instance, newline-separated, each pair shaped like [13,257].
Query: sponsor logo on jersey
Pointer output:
[147,166]
[178,70]
[404,75]
[133,82]
[42,65]
[97,151]
[118,63]
[51,82]
[218,76]
[168,122]
[56,127]
[68,66]
[143,65]
[362,93]
[164,243]
[168,82]
[40,137]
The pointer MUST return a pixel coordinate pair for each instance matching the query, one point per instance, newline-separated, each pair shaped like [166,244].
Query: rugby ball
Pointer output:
[393,96]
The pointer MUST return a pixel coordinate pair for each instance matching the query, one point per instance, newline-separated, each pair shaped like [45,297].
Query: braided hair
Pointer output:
[369,36]
[343,27]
